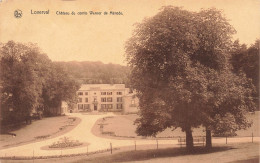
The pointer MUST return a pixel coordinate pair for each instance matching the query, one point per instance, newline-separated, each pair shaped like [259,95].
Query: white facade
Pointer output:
[101,97]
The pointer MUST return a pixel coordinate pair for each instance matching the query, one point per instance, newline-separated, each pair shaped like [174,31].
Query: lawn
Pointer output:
[123,127]
[235,153]
[39,130]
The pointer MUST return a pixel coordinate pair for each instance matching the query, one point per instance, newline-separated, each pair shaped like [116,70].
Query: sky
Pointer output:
[102,37]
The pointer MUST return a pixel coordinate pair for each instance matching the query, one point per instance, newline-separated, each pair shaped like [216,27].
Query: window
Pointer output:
[119,99]
[80,93]
[119,93]
[86,93]
[86,106]
[103,99]
[79,100]
[132,103]
[119,106]
[109,93]
[109,99]
[103,93]
[103,106]
[86,99]
[80,106]
[109,106]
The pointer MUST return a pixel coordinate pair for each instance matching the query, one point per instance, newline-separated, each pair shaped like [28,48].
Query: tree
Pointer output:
[30,82]
[229,99]
[59,86]
[169,86]
[246,60]
[175,57]
[214,35]
[96,72]
[21,81]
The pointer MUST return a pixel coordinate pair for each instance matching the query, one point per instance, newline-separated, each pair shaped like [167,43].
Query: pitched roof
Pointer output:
[88,87]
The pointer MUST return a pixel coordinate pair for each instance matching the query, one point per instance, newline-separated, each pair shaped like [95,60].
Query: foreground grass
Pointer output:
[39,130]
[237,153]
[120,123]
[142,155]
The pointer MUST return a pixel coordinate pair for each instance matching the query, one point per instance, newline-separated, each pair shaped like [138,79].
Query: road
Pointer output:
[82,133]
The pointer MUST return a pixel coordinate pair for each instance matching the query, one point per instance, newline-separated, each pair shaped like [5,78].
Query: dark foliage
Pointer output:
[180,68]
[246,60]
[96,72]
[31,83]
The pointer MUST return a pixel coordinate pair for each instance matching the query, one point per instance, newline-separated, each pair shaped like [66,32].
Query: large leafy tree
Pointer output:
[21,82]
[229,95]
[30,82]
[175,57]
[59,86]
[170,87]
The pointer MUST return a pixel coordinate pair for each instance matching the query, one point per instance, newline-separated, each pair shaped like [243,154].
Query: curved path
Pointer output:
[82,133]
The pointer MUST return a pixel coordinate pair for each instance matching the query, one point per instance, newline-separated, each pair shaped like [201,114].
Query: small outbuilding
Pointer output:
[130,103]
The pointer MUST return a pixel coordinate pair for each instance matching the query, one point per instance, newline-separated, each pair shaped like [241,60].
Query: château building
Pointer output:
[106,97]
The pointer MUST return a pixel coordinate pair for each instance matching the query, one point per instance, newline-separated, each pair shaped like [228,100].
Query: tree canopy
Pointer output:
[180,68]
[30,82]
[87,72]
[246,60]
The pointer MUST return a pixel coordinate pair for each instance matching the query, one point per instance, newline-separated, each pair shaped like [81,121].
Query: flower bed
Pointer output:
[65,143]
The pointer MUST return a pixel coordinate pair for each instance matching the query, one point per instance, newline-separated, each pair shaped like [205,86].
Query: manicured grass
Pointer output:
[39,130]
[123,127]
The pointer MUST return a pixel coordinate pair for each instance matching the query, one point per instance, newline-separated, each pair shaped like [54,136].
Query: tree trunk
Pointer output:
[208,138]
[189,139]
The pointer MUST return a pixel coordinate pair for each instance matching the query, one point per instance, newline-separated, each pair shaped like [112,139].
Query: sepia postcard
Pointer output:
[129,81]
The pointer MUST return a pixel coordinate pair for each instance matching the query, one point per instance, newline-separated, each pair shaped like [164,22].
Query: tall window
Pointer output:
[119,106]
[80,106]
[109,93]
[109,106]
[119,99]
[109,99]
[79,100]
[86,93]
[103,99]
[86,99]
[103,93]
[119,93]
[80,93]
